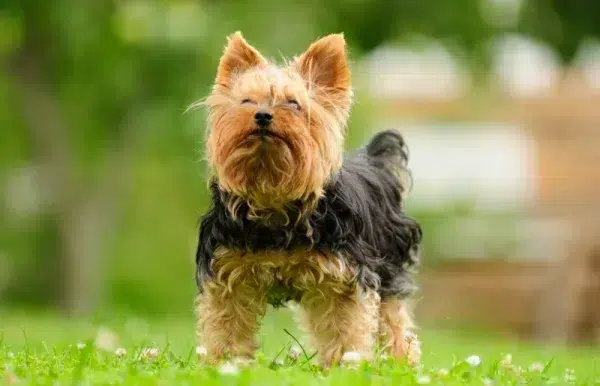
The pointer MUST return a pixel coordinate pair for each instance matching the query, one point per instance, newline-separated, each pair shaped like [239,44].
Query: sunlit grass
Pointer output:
[39,349]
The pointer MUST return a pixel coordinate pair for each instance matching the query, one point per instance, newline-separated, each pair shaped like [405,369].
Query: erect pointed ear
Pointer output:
[325,63]
[238,57]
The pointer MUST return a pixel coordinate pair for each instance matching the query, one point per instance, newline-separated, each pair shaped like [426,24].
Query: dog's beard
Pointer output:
[270,173]
[260,169]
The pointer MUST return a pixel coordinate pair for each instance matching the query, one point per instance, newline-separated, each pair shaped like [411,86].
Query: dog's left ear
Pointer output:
[325,64]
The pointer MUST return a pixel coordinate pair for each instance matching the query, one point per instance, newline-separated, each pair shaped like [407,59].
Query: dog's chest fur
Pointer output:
[283,275]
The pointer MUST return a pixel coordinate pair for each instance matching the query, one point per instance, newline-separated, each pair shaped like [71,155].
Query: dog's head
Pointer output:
[275,133]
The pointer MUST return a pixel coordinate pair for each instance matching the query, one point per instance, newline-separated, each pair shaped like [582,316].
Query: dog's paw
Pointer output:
[413,349]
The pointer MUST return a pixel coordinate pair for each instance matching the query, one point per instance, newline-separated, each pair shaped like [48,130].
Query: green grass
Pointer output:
[43,349]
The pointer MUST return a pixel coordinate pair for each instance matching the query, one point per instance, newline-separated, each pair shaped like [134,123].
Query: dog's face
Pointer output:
[275,133]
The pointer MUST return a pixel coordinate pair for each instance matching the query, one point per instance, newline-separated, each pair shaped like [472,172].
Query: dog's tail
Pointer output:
[387,150]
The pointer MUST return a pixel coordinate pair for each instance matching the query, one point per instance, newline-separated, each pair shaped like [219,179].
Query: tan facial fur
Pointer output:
[306,148]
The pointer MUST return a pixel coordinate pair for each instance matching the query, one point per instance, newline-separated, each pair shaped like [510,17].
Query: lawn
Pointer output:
[44,349]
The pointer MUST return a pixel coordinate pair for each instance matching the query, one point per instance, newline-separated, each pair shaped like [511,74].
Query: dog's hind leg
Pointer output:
[396,331]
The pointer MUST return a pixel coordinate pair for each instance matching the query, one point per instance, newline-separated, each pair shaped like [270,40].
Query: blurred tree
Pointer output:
[562,24]
[82,92]
[60,77]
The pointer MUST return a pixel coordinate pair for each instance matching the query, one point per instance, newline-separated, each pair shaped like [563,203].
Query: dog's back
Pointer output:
[385,240]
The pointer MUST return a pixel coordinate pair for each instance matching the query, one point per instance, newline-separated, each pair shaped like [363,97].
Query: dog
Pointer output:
[292,220]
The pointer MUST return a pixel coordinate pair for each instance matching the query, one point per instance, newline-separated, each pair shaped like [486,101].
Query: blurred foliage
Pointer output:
[563,24]
[98,158]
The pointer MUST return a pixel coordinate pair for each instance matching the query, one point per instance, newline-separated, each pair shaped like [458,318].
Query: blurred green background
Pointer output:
[102,179]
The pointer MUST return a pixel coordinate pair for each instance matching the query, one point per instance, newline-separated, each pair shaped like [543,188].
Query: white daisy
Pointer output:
[506,361]
[228,368]
[536,367]
[294,352]
[201,351]
[120,352]
[570,375]
[149,353]
[351,358]
[474,360]
[487,382]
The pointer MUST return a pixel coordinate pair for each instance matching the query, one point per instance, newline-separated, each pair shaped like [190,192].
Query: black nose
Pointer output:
[262,118]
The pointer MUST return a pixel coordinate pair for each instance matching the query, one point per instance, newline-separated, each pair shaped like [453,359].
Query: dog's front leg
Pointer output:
[341,319]
[228,318]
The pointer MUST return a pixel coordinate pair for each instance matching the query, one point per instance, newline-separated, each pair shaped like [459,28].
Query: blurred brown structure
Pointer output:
[553,298]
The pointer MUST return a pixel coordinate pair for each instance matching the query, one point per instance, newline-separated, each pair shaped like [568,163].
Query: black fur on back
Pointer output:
[361,216]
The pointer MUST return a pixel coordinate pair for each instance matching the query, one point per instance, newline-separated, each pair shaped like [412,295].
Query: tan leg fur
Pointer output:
[338,315]
[396,335]
[339,319]
[228,313]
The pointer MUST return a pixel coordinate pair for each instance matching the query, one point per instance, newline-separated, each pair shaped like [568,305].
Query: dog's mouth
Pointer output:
[264,133]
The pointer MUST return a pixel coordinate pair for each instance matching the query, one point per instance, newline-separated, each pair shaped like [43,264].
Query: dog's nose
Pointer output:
[263,118]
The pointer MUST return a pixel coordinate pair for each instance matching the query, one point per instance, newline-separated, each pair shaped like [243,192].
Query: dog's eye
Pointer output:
[247,101]
[294,103]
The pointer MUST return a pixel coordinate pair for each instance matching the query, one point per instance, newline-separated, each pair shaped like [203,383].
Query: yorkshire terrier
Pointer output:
[292,221]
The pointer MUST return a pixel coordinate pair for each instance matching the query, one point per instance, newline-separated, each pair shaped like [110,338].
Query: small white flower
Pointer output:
[570,375]
[351,357]
[410,336]
[423,380]
[120,352]
[295,352]
[149,353]
[278,362]
[201,351]
[442,372]
[228,368]
[10,355]
[474,360]
[80,346]
[506,362]
[487,382]
[536,367]
[106,339]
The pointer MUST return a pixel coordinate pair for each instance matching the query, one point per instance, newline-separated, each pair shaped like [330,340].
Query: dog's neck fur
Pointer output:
[276,213]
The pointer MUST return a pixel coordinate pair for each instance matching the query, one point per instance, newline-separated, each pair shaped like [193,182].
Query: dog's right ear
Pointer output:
[238,57]
[324,65]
